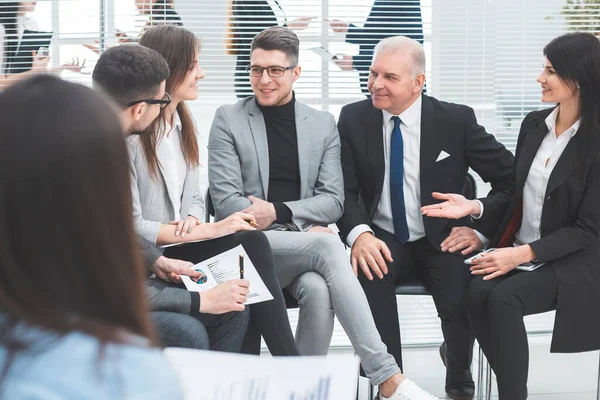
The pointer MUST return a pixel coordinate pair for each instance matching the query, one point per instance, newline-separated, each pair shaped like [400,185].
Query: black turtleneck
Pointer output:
[284,170]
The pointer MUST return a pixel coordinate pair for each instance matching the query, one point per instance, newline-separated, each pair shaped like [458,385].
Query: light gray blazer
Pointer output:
[152,201]
[238,163]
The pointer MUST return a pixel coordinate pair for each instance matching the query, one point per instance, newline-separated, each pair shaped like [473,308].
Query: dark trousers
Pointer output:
[496,309]
[269,318]
[445,276]
[223,332]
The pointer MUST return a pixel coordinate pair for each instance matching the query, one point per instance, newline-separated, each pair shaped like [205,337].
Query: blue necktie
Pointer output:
[397,183]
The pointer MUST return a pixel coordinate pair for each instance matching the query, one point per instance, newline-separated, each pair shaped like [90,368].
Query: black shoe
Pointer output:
[459,382]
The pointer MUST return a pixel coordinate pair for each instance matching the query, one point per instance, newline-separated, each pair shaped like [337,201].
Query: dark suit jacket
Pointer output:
[570,232]
[250,17]
[162,13]
[387,18]
[445,126]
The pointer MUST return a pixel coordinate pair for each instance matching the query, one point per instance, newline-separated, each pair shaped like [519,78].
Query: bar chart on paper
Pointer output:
[206,375]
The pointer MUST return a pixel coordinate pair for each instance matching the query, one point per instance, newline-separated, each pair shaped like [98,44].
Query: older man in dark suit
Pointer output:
[397,147]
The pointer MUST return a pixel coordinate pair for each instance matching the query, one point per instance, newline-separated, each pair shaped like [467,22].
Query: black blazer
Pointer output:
[386,18]
[570,232]
[249,18]
[444,126]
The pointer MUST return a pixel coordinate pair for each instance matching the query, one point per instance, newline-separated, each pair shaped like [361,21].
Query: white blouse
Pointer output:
[173,163]
[534,191]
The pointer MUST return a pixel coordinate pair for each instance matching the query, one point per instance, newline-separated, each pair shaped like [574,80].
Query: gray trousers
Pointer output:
[223,332]
[296,253]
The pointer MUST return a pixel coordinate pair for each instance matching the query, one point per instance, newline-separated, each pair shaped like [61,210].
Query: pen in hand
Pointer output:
[252,223]
[241,263]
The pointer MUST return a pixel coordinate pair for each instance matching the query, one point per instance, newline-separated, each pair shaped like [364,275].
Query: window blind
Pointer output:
[483,53]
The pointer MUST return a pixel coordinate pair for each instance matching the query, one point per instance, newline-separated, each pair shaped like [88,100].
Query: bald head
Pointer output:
[404,45]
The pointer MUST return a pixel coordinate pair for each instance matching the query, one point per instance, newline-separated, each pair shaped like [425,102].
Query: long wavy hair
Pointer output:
[179,47]
[576,60]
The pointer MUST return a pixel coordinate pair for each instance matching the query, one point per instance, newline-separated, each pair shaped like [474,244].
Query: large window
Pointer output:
[483,53]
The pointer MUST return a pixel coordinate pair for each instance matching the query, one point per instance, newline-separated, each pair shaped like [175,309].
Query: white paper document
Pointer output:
[211,375]
[224,267]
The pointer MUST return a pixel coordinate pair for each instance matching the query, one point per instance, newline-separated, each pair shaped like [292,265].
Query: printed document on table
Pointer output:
[225,266]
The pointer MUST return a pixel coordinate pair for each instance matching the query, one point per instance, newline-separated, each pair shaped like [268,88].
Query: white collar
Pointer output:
[410,116]
[176,123]
[551,124]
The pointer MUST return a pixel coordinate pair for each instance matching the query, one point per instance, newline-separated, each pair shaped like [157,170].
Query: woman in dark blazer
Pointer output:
[550,214]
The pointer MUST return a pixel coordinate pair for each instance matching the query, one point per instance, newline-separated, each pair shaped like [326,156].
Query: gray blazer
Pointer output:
[238,163]
[152,201]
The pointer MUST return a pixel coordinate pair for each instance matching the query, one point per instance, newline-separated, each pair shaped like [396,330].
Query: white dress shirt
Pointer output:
[534,191]
[173,163]
[411,139]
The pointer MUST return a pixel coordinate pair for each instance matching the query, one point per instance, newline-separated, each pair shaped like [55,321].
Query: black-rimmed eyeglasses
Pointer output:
[274,72]
[164,102]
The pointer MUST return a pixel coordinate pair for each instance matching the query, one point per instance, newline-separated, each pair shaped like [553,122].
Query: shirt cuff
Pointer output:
[485,241]
[356,232]
[195,305]
[480,212]
[283,214]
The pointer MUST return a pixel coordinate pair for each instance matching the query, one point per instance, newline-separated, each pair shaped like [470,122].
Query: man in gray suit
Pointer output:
[279,159]
[134,77]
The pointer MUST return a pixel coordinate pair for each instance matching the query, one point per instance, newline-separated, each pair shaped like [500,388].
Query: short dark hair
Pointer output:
[130,72]
[69,168]
[278,38]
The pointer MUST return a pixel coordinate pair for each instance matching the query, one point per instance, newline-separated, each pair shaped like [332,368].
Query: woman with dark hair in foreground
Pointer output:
[74,323]
[550,215]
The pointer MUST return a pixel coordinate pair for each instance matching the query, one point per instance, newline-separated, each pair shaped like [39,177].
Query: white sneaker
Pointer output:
[408,390]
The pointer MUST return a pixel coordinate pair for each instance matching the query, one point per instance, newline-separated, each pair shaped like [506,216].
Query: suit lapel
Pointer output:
[428,145]
[259,134]
[374,131]
[304,132]
[565,166]
[531,146]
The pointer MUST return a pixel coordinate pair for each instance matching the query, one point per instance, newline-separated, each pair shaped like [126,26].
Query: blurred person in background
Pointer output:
[17,30]
[387,18]
[245,20]
[158,12]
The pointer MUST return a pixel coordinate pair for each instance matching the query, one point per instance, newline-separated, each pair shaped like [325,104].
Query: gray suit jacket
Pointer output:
[152,200]
[238,163]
